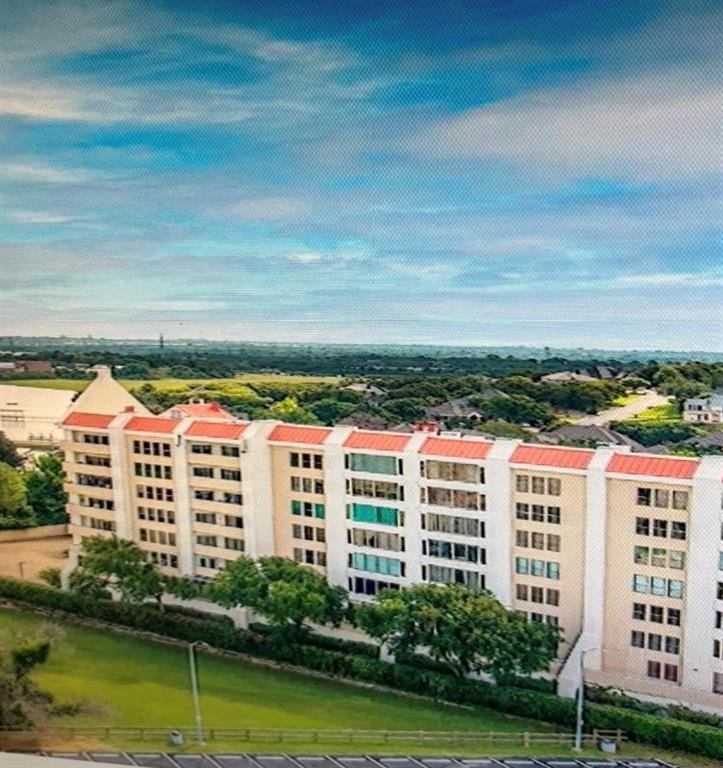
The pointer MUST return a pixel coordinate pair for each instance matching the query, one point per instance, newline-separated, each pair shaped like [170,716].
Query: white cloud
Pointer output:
[669,279]
[43,173]
[305,257]
[38,217]
[658,125]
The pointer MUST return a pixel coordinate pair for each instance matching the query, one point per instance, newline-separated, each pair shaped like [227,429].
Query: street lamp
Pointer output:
[194,686]
[580,699]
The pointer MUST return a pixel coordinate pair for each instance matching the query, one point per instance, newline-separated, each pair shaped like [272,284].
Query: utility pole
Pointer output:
[194,687]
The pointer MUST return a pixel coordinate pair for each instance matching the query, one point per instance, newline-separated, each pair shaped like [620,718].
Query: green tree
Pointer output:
[8,452]
[44,487]
[51,576]
[467,630]
[122,565]
[14,509]
[286,593]
[329,411]
[290,411]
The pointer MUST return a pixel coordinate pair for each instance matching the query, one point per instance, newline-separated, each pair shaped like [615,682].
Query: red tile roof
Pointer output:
[91,420]
[545,456]
[286,433]
[215,429]
[460,449]
[203,410]
[377,441]
[151,424]
[657,466]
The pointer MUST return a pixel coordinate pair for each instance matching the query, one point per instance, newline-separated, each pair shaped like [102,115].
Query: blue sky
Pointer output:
[495,172]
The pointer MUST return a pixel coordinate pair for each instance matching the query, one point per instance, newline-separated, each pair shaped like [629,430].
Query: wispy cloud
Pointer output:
[37,172]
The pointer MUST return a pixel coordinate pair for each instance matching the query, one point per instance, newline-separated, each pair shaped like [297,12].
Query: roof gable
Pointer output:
[90,420]
[289,433]
[546,456]
[656,466]
[460,449]
[151,424]
[215,429]
[377,441]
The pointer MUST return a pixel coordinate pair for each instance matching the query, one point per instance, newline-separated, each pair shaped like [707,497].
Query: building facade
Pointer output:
[623,551]
[704,410]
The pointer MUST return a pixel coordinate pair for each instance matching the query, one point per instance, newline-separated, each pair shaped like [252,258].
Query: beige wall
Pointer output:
[619,656]
[284,521]
[571,557]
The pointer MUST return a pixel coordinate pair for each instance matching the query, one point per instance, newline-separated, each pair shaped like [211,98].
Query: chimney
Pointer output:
[129,409]
[430,427]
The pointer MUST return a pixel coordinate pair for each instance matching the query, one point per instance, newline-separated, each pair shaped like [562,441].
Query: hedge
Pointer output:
[672,734]
[355,647]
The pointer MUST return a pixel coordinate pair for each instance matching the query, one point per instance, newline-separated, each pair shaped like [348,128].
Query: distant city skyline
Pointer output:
[510,173]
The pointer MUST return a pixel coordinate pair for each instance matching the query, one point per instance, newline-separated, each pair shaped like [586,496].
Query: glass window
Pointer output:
[365,462]
[641,555]
[659,558]
[521,591]
[660,528]
[553,515]
[642,526]
[537,567]
[655,642]
[639,611]
[522,565]
[661,498]
[637,639]
[553,542]
[672,645]
[553,570]
[522,511]
[678,530]
[641,584]
[522,483]
[656,614]
[675,588]
[676,559]
[671,673]
[538,484]
[654,669]
[674,617]
[657,586]
[522,539]
[554,486]
[644,497]
[680,499]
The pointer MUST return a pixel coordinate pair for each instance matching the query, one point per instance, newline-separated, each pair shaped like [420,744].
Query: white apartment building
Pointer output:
[623,551]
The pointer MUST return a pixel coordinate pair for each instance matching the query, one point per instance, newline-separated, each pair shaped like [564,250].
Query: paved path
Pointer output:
[622,412]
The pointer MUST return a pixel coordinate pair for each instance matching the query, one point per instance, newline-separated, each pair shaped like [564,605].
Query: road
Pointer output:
[622,412]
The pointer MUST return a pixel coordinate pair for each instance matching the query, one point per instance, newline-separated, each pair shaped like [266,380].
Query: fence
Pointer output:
[284,736]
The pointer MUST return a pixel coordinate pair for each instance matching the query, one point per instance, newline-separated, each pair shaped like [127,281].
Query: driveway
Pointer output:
[622,412]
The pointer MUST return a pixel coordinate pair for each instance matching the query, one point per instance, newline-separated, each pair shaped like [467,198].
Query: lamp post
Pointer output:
[580,699]
[194,686]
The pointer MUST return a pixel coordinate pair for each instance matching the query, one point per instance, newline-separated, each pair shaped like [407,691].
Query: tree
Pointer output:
[14,509]
[44,486]
[51,576]
[9,453]
[122,565]
[467,630]
[286,593]
[290,411]
[329,411]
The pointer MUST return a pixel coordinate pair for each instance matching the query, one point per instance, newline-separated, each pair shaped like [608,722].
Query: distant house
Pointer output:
[704,410]
[365,420]
[594,373]
[589,435]
[376,395]
[462,407]
[711,442]
[27,366]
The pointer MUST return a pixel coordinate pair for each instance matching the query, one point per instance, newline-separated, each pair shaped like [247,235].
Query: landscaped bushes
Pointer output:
[667,733]
[356,647]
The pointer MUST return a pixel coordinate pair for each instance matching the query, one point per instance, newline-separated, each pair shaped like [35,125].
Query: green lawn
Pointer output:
[625,400]
[664,413]
[134,682]
[269,379]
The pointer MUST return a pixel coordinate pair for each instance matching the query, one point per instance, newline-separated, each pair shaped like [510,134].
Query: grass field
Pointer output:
[625,400]
[268,379]
[134,682]
[663,413]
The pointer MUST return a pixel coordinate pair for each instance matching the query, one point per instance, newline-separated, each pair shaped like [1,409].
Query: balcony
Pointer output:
[71,468]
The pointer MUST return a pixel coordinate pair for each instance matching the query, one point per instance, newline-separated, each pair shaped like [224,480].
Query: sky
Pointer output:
[542,172]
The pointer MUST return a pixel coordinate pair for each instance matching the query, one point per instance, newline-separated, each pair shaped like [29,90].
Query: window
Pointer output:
[232,521]
[464,526]
[440,574]
[654,669]
[378,489]
[661,499]
[537,567]
[674,617]
[376,564]
[639,611]
[553,597]
[453,471]
[675,588]
[554,486]
[641,584]
[553,515]
[522,511]
[202,472]
[360,586]
[231,474]
[294,459]
[676,559]
[671,673]
[203,495]
[235,544]
[521,592]
[367,513]
[553,542]
[637,639]
[718,682]
[452,551]
[660,528]
[375,539]
[659,558]
[206,541]
[537,594]
[447,497]
[672,645]
[642,526]
[656,614]
[202,448]
[538,513]
[538,484]
[380,465]
[522,539]
[644,497]
[230,450]
[522,565]
[657,586]
[522,483]
[641,555]
[232,498]
[678,530]
[553,571]
[206,517]
[680,500]
[655,642]
[537,540]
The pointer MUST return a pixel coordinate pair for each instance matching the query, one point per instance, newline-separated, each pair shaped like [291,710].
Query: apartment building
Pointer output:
[623,551]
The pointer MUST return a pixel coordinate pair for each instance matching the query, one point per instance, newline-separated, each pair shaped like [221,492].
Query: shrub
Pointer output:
[354,647]
[663,732]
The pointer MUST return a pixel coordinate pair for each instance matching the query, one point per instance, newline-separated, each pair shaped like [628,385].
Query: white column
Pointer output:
[702,576]
[122,477]
[336,522]
[256,484]
[498,520]
[183,503]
